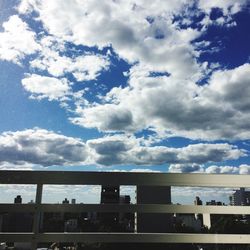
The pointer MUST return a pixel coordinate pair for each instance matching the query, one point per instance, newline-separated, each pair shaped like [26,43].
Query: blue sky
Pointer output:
[125,85]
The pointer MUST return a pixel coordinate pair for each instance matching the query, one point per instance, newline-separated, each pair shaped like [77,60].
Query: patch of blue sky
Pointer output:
[158,74]
[73,50]
[159,34]
[177,142]
[114,76]
[20,112]
[6,10]
[34,24]
[190,17]
[229,45]
[216,13]
[150,19]
[70,168]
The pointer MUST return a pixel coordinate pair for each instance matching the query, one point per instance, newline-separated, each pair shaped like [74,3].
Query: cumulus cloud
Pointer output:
[149,38]
[137,30]
[227,6]
[213,169]
[46,87]
[52,58]
[222,170]
[121,150]
[225,85]
[134,170]
[40,147]
[186,168]
[182,108]
[17,40]
[18,166]
[127,29]
[109,118]
[161,95]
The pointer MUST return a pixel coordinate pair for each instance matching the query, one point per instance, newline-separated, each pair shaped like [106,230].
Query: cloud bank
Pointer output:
[46,148]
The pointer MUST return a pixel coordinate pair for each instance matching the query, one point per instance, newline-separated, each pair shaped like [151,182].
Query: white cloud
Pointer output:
[174,107]
[222,170]
[226,85]
[52,58]
[82,193]
[137,30]
[213,169]
[109,118]
[228,6]
[17,40]
[52,193]
[88,67]
[244,169]
[160,43]
[122,150]
[186,168]
[17,166]
[40,147]
[134,170]
[145,35]
[46,87]
[186,195]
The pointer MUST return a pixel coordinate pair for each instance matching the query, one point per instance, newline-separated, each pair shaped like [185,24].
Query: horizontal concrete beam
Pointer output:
[123,178]
[129,238]
[142,208]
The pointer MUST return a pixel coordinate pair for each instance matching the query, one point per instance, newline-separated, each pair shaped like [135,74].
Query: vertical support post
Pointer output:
[37,214]
[207,220]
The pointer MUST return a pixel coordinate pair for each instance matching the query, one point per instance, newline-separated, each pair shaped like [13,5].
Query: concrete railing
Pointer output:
[40,178]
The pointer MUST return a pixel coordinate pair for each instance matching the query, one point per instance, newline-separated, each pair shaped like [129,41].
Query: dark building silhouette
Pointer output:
[197,201]
[214,203]
[65,201]
[153,222]
[110,195]
[18,199]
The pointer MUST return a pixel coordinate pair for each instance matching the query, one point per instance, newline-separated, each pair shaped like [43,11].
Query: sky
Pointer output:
[125,85]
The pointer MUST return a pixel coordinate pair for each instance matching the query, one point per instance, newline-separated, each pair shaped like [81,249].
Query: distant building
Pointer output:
[18,199]
[215,203]
[197,201]
[65,201]
[73,201]
[240,197]
[153,222]
[110,195]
